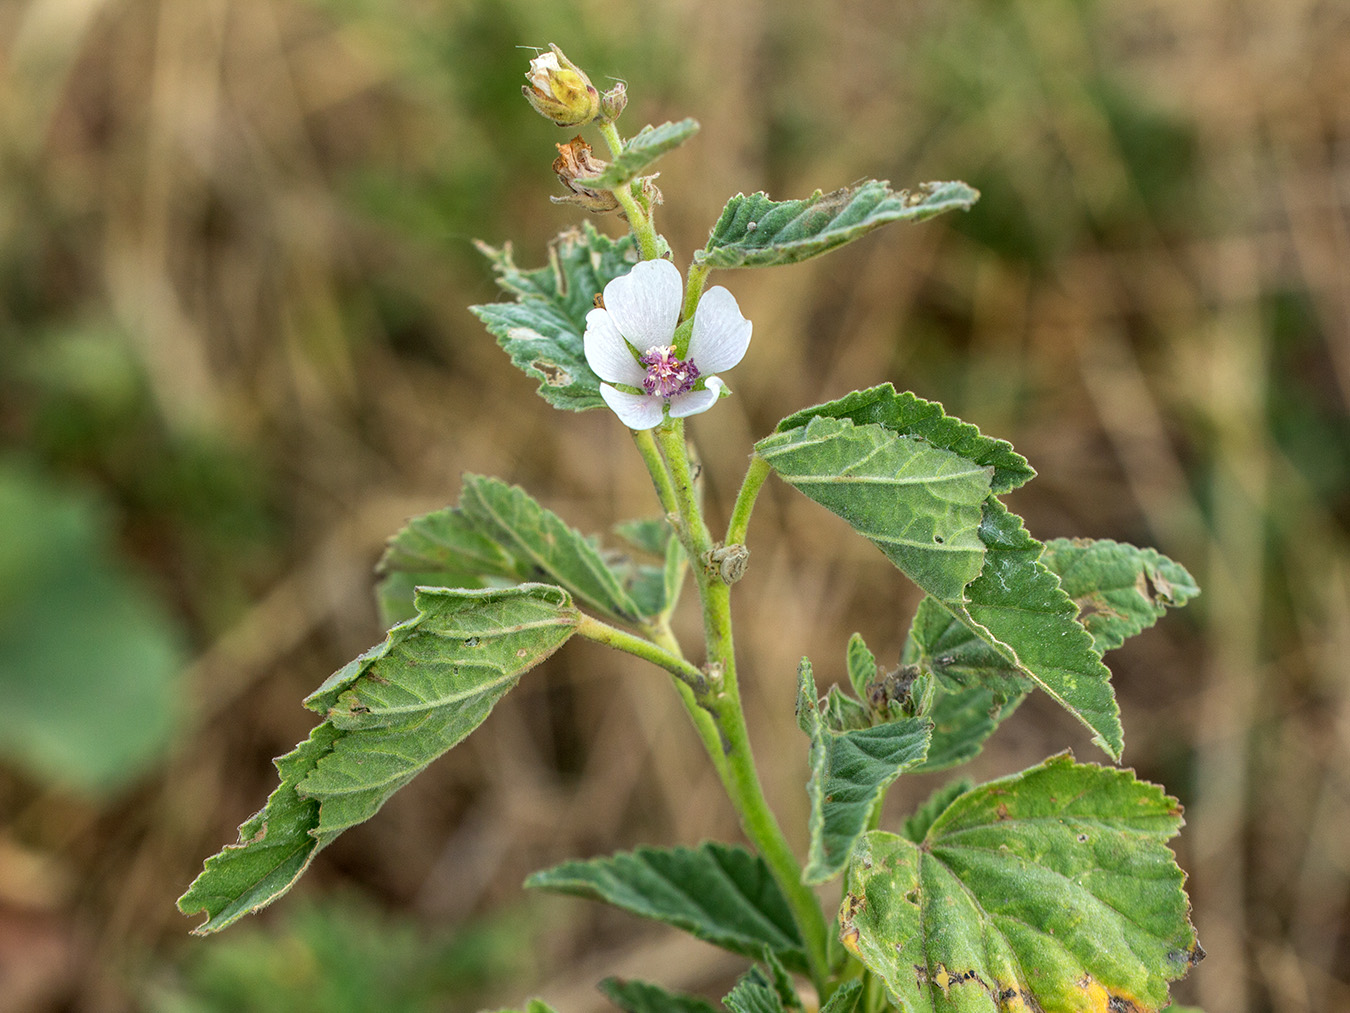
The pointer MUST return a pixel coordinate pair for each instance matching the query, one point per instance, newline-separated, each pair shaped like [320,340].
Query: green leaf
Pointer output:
[1017,606]
[544,544]
[862,666]
[962,721]
[89,655]
[640,153]
[916,827]
[917,503]
[718,893]
[910,415]
[1119,589]
[389,714]
[533,1006]
[755,231]
[845,999]
[1052,890]
[753,994]
[850,772]
[542,329]
[643,997]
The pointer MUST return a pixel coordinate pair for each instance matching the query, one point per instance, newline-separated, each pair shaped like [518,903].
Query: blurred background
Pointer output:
[235,256]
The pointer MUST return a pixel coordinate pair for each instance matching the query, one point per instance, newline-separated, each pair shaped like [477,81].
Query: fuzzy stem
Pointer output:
[745,500]
[639,217]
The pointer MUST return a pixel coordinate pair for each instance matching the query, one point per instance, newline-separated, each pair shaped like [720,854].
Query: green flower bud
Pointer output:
[560,91]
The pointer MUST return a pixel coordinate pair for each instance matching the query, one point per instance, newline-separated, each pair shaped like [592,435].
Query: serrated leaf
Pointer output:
[1017,606]
[862,666]
[845,999]
[542,329]
[910,415]
[640,153]
[1119,589]
[917,503]
[389,713]
[755,231]
[643,997]
[718,893]
[963,720]
[850,772]
[1051,890]
[753,994]
[545,545]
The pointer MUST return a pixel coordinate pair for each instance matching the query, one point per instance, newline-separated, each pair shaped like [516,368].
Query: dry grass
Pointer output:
[272,201]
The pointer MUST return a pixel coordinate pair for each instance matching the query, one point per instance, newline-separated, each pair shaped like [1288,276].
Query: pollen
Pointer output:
[667,375]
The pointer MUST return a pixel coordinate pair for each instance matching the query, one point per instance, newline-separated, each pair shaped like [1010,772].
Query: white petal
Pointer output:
[606,352]
[721,335]
[636,411]
[695,401]
[645,303]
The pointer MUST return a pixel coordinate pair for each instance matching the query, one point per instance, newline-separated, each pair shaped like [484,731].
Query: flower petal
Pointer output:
[636,411]
[721,334]
[695,401]
[607,353]
[644,304]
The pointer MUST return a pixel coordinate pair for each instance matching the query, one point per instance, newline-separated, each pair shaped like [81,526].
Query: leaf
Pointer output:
[718,893]
[542,329]
[1119,589]
[390,712]
[498,532]
[1017,606]
[916,827]
[845,999]
[642,997]
[753,994]
[850,772]
[545,545]
[962,721]
[917,503]
[862,666]
[640,154]
[755,231]
[1051,890]
[533,1006]
[910,415]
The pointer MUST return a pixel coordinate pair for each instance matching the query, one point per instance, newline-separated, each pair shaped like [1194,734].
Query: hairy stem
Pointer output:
[745,500]
[639,217]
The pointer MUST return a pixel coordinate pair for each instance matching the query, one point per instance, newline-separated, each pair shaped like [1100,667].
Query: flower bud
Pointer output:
[613,102]
[560,91]
[576,159]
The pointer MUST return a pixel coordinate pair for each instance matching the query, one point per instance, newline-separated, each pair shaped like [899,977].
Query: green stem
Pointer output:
[656,467]
[723,701]
[745,500]
[693,288]
[639,218]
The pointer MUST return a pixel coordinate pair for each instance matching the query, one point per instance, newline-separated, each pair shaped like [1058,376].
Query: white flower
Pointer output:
[631,343]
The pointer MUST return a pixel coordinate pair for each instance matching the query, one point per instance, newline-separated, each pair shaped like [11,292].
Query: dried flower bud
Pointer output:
[575,158]
[560,90]
[612,102]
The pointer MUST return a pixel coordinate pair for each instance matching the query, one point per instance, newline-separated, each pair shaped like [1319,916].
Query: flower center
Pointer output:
[667,375]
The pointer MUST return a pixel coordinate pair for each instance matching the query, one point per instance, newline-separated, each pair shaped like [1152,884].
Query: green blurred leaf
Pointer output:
[916,827]
[755,231]
[846,999]
[640,153]
[542,329]
[643,997]
[389,713]
[88,657]
[718,893]
[1119,589]
[917,503]
[850,772]
[1052,889]
[963,720]
[753,994]
[910,415]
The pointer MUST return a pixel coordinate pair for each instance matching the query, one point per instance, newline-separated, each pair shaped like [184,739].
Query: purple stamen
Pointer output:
[667,375]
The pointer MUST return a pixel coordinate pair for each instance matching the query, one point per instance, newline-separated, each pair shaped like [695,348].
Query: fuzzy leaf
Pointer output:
[546,546]
[917,503]
[963,720]
[1051,890]
[910,415]
[640,153]
[916,827]
[389,713]
[846,999]
[542,328]
[850,772]
[1017,606]
[862,666]
[643,997]
[718,893]
[753,994]
[1119,589]
[755,231]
